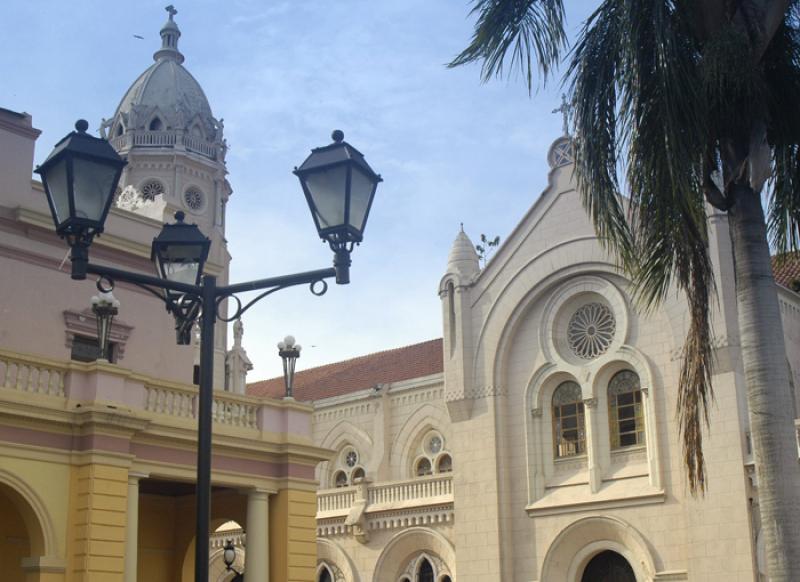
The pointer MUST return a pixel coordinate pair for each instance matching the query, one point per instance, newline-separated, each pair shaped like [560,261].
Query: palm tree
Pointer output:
[697,100]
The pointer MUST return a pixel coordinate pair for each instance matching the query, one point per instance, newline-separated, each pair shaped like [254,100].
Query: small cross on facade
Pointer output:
[565,110]
[171,10]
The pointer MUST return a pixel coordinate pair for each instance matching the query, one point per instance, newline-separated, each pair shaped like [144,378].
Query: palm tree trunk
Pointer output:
[768,388]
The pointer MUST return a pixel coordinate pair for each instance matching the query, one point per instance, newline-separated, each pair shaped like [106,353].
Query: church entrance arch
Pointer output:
[608,566]
[572,554]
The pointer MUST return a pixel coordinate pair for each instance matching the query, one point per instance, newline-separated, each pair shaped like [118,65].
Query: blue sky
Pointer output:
[283,75]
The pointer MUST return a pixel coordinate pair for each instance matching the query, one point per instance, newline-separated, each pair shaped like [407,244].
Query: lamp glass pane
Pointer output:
[58,188]
[327,188]
[361,187]
[181,272]
[93,184]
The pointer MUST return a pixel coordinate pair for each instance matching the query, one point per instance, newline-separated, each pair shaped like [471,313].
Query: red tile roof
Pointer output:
[786,268]
[360,373]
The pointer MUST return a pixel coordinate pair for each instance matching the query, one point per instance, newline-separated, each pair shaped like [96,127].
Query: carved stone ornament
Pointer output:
[591,330]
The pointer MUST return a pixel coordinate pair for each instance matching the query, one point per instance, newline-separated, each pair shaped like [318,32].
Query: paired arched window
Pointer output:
[348,467]
[569,426]
[433,456]
[625,414]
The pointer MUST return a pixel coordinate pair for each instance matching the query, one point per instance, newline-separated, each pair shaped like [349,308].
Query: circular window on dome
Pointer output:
[591,330]
[194,199]
[151,189]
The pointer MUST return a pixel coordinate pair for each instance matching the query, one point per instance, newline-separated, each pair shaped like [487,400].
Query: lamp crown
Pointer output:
[180,216]
[81,125]
[337,135]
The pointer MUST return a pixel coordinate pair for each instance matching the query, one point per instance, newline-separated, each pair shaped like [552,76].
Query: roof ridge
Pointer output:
[349,361]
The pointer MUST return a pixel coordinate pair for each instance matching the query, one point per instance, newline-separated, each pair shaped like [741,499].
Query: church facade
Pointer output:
[98,451]
[538,440]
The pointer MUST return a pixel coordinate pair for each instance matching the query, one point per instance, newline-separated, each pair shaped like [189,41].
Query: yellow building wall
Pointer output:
[97,528]
[157,525]
[293,536]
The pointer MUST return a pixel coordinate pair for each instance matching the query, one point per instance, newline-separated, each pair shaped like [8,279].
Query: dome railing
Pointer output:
[143,138]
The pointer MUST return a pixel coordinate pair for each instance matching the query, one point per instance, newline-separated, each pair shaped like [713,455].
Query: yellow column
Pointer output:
[132,527]
[257,548]
[98,510]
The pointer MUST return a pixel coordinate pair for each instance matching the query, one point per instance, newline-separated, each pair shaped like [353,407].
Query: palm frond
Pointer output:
[635,88]
[782,76]
[528,32]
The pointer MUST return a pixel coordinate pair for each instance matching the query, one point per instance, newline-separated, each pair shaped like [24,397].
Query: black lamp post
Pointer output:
[229,557]
[80,177]
[289,351]
[105,307]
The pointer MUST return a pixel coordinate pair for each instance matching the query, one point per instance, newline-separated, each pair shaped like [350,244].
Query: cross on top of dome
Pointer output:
[169,38]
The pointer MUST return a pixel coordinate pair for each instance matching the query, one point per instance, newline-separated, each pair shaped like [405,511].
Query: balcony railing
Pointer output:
[31,375]
[434,490]
[171,403]
[163,139]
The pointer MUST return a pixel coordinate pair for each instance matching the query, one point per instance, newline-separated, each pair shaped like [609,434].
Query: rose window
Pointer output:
[351,459]
[591,330]
[151,189]
[193,199]
[435,444]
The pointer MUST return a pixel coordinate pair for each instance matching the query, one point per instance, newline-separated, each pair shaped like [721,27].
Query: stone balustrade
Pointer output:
[163,139]
[395,495]
[31,375]
[229,409]
[168,402]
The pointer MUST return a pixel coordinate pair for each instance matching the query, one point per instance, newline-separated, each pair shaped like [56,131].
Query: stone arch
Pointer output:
[38,521]
[418,422]
[344,433]
[579,542]
[333,555]
[525,288]
[403,547]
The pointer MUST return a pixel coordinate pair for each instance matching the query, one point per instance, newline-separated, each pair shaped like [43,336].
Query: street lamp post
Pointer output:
[289,351]
[80,178]
[229,557]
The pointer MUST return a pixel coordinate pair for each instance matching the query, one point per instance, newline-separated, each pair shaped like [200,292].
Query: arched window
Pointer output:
[347,467]
[424,467]
[626,418]
[446,579]
[425,571]
[325,575]
[569,432]
[432,455]
[156,125]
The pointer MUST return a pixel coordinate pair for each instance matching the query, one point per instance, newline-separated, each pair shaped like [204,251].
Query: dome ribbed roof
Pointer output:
[169,87]
[167,91]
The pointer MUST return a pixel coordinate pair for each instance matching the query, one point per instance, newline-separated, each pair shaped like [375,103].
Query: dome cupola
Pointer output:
[165,107]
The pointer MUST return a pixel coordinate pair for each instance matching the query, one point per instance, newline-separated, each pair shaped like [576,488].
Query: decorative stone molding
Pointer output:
[590,402]
[536,412]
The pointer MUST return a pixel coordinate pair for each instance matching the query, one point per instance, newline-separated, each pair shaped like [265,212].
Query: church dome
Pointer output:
[165,106]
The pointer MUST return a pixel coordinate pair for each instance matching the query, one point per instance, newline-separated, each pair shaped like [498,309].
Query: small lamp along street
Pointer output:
[289,351]
[80,179]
